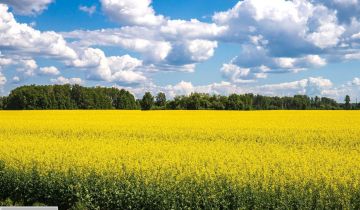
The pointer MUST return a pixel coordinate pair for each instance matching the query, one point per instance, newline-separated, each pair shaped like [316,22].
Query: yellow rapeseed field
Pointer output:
[262,159]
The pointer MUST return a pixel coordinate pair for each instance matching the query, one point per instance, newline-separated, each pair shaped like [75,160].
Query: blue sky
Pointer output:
[274,47]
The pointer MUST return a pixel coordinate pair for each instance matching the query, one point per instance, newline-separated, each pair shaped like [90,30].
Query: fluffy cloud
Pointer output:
[185,88]
[27,66]
[356,81]
[160,41]
[62,80]
[20,42]
[193,29]
[235,74]
[28,7]
[135,39]
[112,69]
[193,51]
[284,36]
[5,62]
[345,9]
[24,40]
[50,70]
[130,12]
[257,62]
[311,86]
[280,22]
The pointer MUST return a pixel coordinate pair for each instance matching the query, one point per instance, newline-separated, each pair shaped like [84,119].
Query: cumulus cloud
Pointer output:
[135,39]
[50,70]
[185,88]
[28,7]
[258,63]
[24,65]
[311,86]
[356,81]
[24,40]
[119,69]
[28,67]
[63,80]
[5,62]
[160,41]
[235,74]
[345,9]
[193,29]
[287,36]
[130,12]
[20,43]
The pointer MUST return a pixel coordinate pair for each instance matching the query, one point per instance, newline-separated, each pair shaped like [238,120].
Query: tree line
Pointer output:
[62,97]
[67,97]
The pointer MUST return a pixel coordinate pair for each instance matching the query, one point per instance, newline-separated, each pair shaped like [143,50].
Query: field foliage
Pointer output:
[181,159]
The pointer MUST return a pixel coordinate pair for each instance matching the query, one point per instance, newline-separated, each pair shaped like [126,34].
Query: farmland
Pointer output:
[181,159]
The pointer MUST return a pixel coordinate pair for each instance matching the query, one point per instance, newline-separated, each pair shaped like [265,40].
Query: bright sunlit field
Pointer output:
[181,159]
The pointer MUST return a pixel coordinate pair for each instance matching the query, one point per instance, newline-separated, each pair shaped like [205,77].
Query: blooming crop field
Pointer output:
[181,159]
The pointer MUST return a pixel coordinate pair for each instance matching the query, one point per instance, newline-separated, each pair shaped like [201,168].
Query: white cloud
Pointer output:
[352,56]
[193,29]
[311,86]
[63,80]
[182,88]
[112,69]
[5,61]
[327,32]
[355,81]
[89,10]
[201,50]
[235,74]
[28,7]
[27,66]
[285,36]
[24,40]
[132,12]
[135,39]
[16,79]
[160,41]
[2,79]
[50,70]
[345,9]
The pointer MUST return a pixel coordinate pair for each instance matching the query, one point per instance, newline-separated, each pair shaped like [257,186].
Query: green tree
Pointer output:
[347,102]
[125,100]
[234,103]
[147,101]
[160,100]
